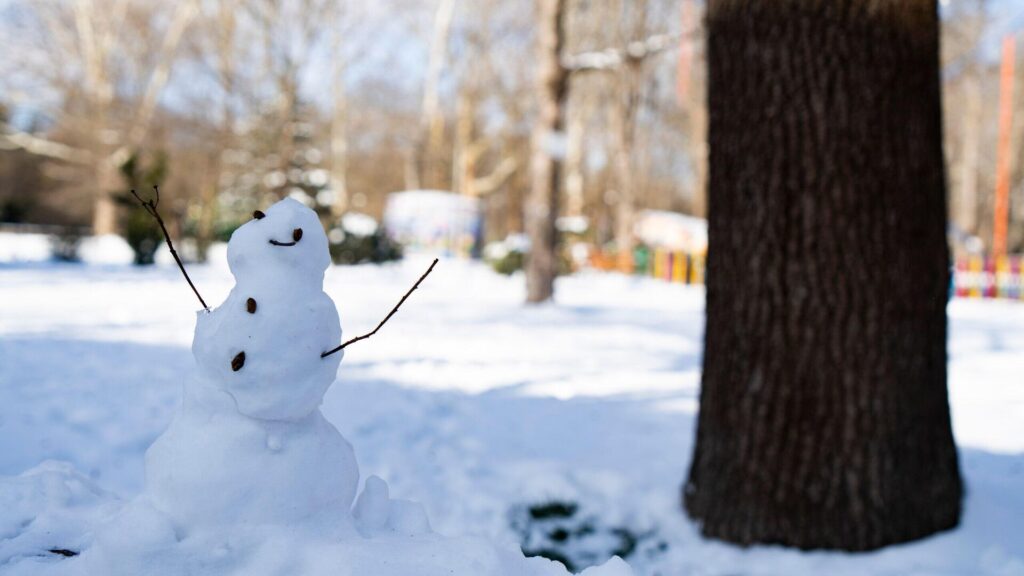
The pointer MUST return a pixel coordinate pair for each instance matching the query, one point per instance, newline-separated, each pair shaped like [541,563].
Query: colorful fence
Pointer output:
[676,266]
[980,277]
[671,265]
[974,276]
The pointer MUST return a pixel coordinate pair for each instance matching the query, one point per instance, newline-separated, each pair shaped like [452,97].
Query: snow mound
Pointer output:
[63,524]
[24,247]
[105,249]
[49,509]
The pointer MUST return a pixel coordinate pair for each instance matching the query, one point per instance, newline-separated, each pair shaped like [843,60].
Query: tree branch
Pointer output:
[158,79]
[487,184]
[43,147]
[612,58]
[386,318]
[150,206]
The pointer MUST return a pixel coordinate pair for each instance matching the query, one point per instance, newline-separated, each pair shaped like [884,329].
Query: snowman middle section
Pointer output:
[268,360]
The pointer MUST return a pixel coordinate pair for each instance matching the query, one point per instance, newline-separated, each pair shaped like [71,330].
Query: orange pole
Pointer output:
[1001,210]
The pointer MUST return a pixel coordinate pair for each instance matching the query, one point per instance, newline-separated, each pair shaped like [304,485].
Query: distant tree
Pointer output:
[542,203]
[106,68]
[824,417]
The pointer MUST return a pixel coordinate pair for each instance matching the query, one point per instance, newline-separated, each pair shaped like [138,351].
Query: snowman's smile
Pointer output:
[296,236]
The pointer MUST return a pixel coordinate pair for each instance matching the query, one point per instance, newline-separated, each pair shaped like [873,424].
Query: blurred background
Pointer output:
[348,106]
[417,128]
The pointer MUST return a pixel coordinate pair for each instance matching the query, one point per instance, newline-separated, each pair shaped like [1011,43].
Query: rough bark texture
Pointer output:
[824,418]
[546,161]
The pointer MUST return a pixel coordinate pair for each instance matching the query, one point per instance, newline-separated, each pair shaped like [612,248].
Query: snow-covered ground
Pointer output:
[471,403]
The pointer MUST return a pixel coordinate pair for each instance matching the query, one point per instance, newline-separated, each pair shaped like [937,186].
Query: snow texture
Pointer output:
[467,402]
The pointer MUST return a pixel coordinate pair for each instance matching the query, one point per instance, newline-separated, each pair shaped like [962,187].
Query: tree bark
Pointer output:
[546,162]
[824,417]
[623,123]
[104,211]
[339,129]
[431,118]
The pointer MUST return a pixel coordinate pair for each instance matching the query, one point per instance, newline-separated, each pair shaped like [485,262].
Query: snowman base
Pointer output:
[214,466]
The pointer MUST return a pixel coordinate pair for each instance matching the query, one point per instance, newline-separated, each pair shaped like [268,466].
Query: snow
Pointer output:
[24,247]
[359,224]
[672,230]
[50,503]
[105,249]
[466,402]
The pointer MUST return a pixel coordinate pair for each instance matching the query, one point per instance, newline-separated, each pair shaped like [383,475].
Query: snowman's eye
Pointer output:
[259,215]
[297,234]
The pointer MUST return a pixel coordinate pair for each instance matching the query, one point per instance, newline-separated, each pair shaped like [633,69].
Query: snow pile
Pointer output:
[671,230]
[49,510]
[359,224]
[105,249]
[250,478]
[24,247]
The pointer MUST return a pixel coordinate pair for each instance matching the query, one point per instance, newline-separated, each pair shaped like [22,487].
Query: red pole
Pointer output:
[1000,212]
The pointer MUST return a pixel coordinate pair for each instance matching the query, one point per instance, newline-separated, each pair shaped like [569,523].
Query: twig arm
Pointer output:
[150,206]
[386,318]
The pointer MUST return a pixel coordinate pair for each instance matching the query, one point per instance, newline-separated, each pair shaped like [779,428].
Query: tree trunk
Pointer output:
[431,118]
[546,162]
[967,207]
[824,418]
[625,111]
[624,128]
[339,131]
[575,134]
[104,211]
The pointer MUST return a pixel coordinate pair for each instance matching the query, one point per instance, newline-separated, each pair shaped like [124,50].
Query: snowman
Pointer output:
[250,434]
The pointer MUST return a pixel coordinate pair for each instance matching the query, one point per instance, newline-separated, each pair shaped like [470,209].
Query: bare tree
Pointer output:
[107,80]
[339,125]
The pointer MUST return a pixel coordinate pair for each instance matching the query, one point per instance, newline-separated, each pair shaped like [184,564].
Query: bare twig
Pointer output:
[386,318]
[150,206]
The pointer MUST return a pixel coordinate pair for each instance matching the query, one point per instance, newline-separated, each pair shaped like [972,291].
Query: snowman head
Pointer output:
[285,243]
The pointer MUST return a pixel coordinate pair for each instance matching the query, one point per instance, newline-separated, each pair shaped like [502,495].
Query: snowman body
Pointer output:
[250,436]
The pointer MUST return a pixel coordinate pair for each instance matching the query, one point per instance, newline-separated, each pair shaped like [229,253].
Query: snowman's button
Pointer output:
[273,442]
[250,306]
[238,361]
[297,234]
